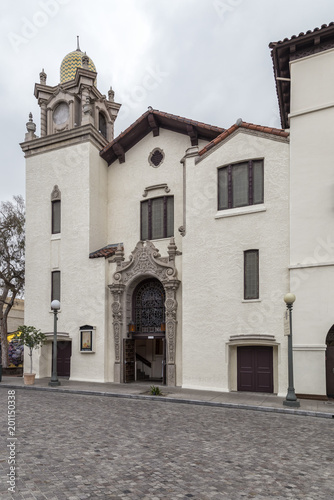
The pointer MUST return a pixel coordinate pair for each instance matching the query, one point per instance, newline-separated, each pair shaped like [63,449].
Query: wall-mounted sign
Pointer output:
[86,338]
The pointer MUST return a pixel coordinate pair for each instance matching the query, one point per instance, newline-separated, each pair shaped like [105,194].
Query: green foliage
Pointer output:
[155,391]
[31,338]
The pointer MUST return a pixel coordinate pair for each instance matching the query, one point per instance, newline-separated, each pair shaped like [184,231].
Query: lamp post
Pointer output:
[291,398]
[55,306]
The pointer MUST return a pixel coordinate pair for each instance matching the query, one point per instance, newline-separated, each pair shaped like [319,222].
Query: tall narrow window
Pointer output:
[240,184]
[55,211]
[55,285]
[56,217]
[157,218]
[251,274]
[102,125]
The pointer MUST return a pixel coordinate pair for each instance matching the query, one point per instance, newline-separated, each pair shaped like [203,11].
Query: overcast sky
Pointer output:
[203,59]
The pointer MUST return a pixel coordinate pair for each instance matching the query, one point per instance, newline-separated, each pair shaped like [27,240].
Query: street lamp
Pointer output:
[55,306]
[291,398]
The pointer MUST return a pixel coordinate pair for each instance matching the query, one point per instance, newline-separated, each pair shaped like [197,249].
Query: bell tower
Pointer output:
[75,101]
[76,123]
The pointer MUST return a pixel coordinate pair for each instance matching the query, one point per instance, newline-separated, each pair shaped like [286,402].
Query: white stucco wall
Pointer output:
[213,305]
[126,185]
[312,207]
[82,280]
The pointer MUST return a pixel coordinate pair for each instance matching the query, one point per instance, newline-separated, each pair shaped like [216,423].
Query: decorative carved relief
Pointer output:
[156,186]
[117,291]
[56,194]
[182,230]
[146,261]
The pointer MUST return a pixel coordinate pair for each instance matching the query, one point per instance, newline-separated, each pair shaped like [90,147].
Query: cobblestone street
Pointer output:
[71,446]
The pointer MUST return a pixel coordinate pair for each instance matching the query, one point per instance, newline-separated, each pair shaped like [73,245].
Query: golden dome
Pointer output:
[71,62]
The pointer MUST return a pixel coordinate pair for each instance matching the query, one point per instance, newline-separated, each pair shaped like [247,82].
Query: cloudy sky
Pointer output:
[203,59]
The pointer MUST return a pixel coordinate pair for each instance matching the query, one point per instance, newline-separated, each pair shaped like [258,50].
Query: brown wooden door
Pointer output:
[255,369]
[64,352]
[330,371]
[129,364]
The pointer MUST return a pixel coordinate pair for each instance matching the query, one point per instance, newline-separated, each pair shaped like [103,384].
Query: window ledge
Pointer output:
[230,212]
[161,239]
[56,236]
[246,301]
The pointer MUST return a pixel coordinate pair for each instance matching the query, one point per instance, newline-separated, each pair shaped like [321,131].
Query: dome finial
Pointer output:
[78,48]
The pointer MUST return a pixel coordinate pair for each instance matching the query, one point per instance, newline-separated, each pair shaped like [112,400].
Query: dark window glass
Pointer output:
[102,125]
[251,274]
[240,185]
[157,218]
[56,217]
[55,285]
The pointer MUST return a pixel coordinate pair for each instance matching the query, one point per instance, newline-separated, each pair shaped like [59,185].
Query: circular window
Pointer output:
[156,158]
[60,114]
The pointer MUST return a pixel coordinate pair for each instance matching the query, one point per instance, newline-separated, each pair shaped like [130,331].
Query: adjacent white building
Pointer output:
[171,246]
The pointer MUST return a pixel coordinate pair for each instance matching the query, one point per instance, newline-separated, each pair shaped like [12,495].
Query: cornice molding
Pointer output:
[63,139]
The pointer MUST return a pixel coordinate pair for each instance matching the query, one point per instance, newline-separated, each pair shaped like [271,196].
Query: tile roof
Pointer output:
[106,252]
[150,121]
[284,51]
[240,124]
[302,34]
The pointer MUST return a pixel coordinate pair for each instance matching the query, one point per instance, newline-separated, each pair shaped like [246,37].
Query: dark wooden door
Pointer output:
[255,369]
[64,352]
[330,371]
[129,358]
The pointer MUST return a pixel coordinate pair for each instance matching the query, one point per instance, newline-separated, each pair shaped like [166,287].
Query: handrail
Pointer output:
[143,360]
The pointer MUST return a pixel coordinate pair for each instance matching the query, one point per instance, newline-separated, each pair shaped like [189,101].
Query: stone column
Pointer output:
[117,291]
[43,118]
[171,327]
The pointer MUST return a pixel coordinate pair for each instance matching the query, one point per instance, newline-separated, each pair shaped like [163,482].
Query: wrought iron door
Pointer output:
[149,305]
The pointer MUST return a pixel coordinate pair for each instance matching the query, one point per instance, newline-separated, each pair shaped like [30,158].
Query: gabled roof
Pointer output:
[240,124]
[289,49]
[152,121]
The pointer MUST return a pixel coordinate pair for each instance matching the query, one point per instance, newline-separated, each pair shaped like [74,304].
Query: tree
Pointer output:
[12,247]
[31,338]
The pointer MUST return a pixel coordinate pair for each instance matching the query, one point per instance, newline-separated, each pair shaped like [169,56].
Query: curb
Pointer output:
[267,409]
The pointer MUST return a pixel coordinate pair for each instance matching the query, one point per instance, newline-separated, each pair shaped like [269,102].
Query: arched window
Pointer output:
[102,125]
[149,306]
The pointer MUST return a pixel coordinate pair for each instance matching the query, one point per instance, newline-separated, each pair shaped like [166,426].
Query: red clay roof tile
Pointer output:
[233,128]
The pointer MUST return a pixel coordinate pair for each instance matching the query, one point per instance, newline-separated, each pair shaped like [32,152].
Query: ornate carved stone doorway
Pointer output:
[145,262]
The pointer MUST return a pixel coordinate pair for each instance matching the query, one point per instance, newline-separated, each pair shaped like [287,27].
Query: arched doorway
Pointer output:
[145,350]
[145,262]
[330,363]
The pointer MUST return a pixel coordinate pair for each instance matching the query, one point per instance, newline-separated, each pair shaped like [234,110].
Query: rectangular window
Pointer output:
[157,218]
[56,217]
[55,285]
[251,274]
[240,185]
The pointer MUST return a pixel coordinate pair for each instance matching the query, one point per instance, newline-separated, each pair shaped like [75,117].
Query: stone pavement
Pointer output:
[76,446]
[140,390]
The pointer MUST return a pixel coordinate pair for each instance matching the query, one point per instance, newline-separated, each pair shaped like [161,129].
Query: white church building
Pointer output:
[171,246]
